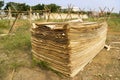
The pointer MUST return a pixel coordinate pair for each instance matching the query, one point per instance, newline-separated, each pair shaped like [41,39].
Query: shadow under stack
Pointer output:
[67,46]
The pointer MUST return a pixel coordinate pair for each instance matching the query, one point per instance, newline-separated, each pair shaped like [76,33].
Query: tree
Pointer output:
[24,7]
[1,4]
[17,6]
[53,7]
[38,7]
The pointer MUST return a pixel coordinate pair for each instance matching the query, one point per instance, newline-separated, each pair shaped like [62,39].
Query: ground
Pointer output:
[16,59]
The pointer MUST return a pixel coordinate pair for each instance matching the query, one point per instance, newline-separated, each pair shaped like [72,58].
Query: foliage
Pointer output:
[1,4]
[24,7]
[114,24]
[115,15]
[17,6]
[38,7]
[53,7]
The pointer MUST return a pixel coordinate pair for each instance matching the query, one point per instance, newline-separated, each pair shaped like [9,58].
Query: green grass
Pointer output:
[11,44]
[114,24]
[21,39]
[3,71]
[45,66]
[15,65]
[4,24]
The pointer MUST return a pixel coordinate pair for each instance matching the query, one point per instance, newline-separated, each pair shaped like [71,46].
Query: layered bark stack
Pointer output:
[67,47]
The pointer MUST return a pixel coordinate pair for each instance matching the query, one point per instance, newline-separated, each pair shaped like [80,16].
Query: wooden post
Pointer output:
[9,16]
[92,14]
[48,13]
[69,12]
[102,13]
[59,13]
[80,14]
[30,15]
[14,23]
[110,11]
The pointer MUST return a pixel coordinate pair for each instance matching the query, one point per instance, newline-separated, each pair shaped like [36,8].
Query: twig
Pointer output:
[12,75]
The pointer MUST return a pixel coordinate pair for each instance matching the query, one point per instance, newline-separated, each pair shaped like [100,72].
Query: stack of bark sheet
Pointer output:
[67,47]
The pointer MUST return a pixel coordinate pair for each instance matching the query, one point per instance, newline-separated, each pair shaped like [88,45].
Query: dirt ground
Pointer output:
[105,66]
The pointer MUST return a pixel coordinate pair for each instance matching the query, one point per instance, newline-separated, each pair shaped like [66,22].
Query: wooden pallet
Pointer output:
[67,46]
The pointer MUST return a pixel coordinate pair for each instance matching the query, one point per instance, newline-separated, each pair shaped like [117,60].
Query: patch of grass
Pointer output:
[114,24]
[1,31]
[4,24]
[21,40]
[2,71]
[46,66]
[57,72]
[15,65]
[42,64]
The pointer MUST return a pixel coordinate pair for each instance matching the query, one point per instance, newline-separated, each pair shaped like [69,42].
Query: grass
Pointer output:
[15,65]
[3,26]
[3,71]
[114,24]
[21,39]
[45,66]
[11,44]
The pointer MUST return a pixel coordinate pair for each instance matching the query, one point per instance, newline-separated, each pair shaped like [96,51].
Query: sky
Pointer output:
[87,4]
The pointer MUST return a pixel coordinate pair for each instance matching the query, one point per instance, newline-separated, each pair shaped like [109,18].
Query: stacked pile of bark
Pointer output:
[67,47]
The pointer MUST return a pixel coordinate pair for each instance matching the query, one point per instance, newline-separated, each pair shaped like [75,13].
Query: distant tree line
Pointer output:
[53,7]
[17,6]
[25,7]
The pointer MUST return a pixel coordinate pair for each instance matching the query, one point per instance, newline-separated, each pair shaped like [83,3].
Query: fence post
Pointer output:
[30,15]
[9,16]
[14,23]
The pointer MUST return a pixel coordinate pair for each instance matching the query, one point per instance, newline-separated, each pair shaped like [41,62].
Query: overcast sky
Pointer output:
[87,4]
